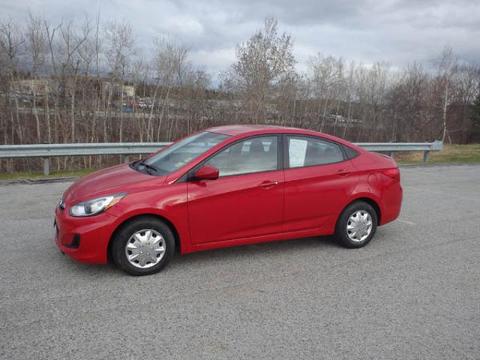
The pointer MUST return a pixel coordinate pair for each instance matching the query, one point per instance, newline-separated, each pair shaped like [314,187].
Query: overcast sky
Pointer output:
[398,32]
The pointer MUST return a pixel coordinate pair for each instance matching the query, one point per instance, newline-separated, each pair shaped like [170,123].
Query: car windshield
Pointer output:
[182,152]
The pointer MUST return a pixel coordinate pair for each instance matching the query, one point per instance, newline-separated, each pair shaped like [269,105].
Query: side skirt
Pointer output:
[259,239]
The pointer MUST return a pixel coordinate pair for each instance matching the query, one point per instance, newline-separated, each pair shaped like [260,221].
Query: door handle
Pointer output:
[343,172]
[268,184]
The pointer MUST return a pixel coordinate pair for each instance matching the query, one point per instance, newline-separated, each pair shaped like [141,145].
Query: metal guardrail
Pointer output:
[79,149]
[46,151]
[395,147]
[391,148]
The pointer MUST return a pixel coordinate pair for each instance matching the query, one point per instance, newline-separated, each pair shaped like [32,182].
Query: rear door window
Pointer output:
[308,151]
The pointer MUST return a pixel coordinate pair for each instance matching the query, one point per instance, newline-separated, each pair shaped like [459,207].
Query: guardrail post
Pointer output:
[46,166]
[425,155]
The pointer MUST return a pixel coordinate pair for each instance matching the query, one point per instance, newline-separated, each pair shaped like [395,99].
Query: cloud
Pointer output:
[398,32]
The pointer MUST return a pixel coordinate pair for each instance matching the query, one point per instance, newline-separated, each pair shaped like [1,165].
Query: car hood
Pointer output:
[115,179]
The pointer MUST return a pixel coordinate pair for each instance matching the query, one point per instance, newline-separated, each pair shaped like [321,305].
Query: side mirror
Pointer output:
[206,172]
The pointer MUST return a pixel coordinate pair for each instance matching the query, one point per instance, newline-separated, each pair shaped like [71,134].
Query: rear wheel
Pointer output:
[143,246]
[357,225]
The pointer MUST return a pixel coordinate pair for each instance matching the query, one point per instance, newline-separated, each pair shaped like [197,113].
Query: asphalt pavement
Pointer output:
[412,293]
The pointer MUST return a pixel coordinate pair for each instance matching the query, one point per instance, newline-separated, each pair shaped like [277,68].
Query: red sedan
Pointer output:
[227,186]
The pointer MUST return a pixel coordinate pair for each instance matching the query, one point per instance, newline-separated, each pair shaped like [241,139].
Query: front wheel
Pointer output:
[143,246]
[357,225]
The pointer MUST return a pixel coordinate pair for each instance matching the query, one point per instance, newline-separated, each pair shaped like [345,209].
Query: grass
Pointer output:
[39,175]
[451,154]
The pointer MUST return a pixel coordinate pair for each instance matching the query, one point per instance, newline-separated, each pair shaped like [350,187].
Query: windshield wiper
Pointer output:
[146,166]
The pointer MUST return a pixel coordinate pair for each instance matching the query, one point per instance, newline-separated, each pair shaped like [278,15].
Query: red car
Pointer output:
[227,186]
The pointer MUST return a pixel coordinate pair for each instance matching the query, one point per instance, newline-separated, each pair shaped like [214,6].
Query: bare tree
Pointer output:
[36,48]
[446,63]
[119,49]
[263,62]
[169,65]
[327,77]
[11,43]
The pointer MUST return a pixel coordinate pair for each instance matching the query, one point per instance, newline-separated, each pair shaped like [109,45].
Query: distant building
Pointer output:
[37,87]
[117,88]
[343,120]
[129,90]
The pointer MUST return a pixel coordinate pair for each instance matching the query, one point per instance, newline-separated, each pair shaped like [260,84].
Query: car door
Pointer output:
[247,198]
[318,182]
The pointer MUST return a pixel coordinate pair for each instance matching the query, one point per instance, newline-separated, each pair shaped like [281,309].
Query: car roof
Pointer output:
[246,130]
[234,130]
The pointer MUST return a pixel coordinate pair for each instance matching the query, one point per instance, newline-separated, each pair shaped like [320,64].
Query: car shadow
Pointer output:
[274,248]
[198,259]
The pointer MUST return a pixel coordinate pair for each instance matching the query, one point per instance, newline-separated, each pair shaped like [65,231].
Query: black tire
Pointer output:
[341,232]
[122,236]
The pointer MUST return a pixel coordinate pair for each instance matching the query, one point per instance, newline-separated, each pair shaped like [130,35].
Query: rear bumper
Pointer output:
[84,239]
[392,203]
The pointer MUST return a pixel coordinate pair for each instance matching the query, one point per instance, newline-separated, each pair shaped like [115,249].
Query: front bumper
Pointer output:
[84,239]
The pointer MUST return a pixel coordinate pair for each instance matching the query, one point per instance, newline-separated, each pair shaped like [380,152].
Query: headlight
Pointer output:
[95,206]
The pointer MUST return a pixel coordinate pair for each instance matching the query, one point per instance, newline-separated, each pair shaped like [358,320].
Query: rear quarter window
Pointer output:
[349,152]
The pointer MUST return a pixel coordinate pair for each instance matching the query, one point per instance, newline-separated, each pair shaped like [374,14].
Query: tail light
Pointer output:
[393,173]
